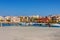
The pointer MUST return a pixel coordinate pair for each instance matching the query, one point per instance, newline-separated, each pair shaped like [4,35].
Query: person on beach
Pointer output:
[48,24]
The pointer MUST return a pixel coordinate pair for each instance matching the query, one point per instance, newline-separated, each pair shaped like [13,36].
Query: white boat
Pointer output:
[38,24]
[55,25]
[33,24]
[26,24]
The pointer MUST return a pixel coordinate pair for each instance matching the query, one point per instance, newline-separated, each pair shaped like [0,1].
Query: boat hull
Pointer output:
[55,25]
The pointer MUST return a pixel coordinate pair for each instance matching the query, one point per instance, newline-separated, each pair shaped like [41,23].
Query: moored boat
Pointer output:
[39,24]
[55,25]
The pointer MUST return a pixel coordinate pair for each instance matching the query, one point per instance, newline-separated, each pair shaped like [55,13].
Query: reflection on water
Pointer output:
[6,24]
[24,24]
[19,24]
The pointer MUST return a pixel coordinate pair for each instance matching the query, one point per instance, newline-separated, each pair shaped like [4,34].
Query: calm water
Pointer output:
[18,24]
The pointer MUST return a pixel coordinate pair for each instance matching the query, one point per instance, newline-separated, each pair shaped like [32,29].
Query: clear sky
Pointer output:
[29,7]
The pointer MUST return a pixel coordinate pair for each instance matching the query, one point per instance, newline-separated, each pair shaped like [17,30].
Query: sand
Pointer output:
[29,33]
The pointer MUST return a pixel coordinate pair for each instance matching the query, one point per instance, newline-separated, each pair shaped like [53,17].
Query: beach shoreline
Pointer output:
[29,33]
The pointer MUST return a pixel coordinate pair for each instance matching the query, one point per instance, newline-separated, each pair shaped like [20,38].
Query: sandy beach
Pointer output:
[29,33]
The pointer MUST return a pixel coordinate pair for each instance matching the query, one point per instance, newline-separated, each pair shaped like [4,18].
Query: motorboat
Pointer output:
[38,24]
[55,25]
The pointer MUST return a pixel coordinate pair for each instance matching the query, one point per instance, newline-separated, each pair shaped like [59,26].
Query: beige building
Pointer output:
[2,19]
[24,18]
[7,19]
[21,18]
[58,19]
[15,19]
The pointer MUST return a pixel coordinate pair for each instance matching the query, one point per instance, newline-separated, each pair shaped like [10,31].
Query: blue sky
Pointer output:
[29,7]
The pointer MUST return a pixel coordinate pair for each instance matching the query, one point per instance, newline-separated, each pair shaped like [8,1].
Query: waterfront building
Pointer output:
[43,20]
[2,19]
[34,18]
[15,19]
[58,19]
[7,19]
[54,19]
[25,19]
[28,19]
[21,18]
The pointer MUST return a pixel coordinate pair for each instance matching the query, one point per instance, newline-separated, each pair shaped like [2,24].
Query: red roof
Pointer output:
[43,20]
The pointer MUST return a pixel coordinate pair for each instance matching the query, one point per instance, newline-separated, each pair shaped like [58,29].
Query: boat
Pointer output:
[55,25]
[38,24]
[25,24]
[33,24]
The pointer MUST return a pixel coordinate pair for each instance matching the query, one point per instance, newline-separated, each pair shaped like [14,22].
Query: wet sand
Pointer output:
[29,33]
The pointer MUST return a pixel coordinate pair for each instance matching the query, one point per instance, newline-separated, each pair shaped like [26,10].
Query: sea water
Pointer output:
[19,24]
